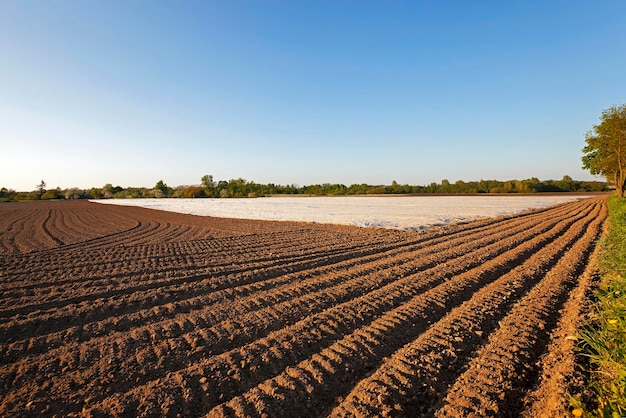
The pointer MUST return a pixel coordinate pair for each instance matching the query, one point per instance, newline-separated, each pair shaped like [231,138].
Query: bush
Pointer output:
[52,194]
[193,191]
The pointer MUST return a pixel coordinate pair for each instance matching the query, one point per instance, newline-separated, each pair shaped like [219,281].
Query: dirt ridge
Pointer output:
[122,311]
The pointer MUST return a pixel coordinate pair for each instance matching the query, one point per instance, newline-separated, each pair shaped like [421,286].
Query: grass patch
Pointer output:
[603,338]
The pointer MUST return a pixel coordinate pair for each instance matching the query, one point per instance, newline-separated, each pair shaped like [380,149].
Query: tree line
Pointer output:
[239,188]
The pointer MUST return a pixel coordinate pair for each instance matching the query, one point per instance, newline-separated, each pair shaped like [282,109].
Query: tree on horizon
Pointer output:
[41,188]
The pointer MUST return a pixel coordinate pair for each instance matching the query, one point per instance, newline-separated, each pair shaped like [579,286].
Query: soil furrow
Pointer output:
[506,368]
[315,257]
[46,341]
[119,281]
[559,375]
[368,346]
[121,311]
[46,229]
[420,261]
[437,357]
[227,374]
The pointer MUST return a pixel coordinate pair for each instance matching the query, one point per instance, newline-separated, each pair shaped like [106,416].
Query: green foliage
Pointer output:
[193,191]
[242,188]
[95,193]
[21,196]
[74,193]
[613,249]
[161,186]
[605,153]
[209,185]
[7,195]
[603,338]
[52,194]
[162,190]
[108,191]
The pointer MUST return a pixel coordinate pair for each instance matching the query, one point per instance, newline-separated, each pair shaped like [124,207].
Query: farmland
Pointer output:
[126,311]
[397,212]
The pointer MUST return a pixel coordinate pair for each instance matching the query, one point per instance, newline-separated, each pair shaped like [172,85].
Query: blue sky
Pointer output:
[305,92]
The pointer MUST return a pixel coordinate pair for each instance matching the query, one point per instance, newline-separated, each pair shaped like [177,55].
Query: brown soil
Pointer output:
[120,311]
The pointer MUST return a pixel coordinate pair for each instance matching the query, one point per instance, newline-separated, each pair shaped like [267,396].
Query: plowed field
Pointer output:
[121,311]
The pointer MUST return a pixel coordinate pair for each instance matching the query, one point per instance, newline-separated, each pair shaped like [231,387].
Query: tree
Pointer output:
[6,194]
[208,184]
[41,188]
[193,191]
[605,153]
[161,189]
[107,191]
[207,180]
[73,193]
[96,193]
[161,186]
[52,194]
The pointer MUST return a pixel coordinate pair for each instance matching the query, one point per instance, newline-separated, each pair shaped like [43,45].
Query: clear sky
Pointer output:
[286,91]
